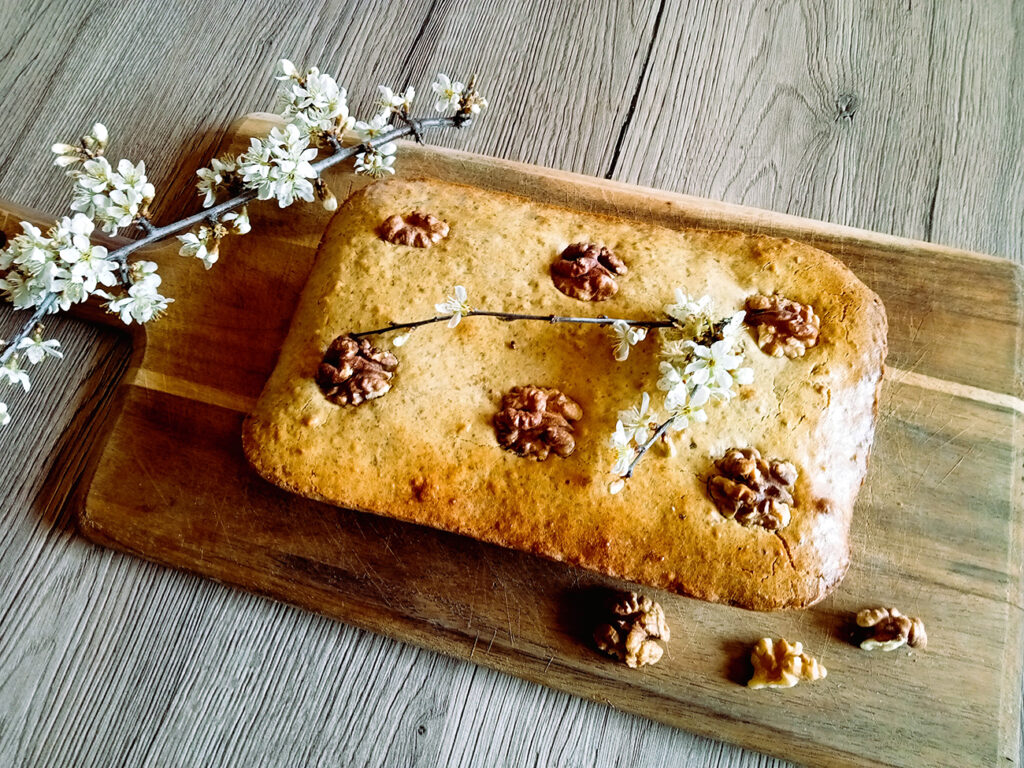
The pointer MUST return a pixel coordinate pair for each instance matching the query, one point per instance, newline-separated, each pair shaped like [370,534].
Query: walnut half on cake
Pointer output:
[426,450]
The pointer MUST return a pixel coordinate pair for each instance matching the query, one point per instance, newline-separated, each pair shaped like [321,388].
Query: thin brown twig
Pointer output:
[647,446]
[511,316]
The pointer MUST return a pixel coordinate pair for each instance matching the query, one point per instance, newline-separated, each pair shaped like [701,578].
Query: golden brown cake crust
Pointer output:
[426,451]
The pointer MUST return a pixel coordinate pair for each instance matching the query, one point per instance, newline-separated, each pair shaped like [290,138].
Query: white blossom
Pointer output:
[733,326]
[670,376]
[620,438]
[27,249]
[66,155]
[717,367]
[21,292]
[686,404]
[375,163]
[95,175]
[278,166]
[13,373]
[124,206]
[97,137]
[87,202]
[142,303]
[390,101]
[448,94]
[89,265]
[674,348]
[64,263]
[624,458]
[201,244]
[215,178]
[144,272]
[454,305]
[93,269]
[5,416]
[238,221]
[129,176]
[71,293]
[37,350]
[616,485]
[314,101]
[71,237]
[634,422]
[685,306]
[286,70]
[472,102]
[400,339]
[369,130]
[622,441]
[92,145]
[626,336]
[114,198]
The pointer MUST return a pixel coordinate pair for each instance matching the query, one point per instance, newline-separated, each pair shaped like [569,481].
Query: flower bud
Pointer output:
[330,202]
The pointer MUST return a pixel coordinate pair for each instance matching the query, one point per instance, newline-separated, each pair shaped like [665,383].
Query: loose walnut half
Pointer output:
[779,664]
[586,271]
[751,490]
[632,633]
[354,371]
[535,421]
[418,229]
[891,629]
[784,327]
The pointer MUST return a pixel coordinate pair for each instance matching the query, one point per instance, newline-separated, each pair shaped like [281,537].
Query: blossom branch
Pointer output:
[53,271]
[217,211]
[511,316]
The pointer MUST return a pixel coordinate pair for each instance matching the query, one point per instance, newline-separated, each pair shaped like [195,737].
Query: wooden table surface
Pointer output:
[903,117]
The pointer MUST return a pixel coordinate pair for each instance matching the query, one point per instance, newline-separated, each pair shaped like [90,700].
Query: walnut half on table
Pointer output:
[631,635]
[890,630]
[781,664]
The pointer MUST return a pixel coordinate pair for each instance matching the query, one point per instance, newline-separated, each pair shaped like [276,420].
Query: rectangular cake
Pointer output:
[514,431]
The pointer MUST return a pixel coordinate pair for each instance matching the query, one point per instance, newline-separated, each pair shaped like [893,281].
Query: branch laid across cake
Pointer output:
[701,360]
[51,272]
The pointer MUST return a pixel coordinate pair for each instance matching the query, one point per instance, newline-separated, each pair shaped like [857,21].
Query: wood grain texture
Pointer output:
[109,659]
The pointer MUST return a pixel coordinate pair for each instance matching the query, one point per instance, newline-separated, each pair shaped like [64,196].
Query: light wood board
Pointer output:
[937,530]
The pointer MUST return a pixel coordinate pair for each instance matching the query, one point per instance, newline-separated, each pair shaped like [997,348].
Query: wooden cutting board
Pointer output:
[937,531]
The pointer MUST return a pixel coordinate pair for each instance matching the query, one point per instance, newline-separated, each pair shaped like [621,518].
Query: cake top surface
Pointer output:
[427,452]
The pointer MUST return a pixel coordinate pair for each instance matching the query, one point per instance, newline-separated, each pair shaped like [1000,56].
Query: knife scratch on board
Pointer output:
[508,617]
[954,467]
